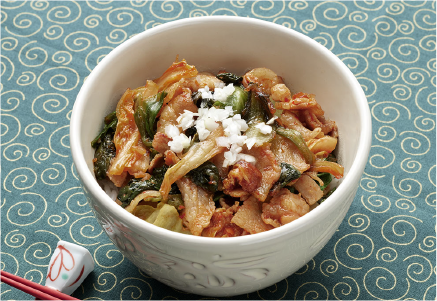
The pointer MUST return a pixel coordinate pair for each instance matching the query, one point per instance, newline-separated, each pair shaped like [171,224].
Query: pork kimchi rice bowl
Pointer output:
[177,151]
[217,155]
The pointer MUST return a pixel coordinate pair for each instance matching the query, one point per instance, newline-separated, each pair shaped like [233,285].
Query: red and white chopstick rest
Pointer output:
[69,265]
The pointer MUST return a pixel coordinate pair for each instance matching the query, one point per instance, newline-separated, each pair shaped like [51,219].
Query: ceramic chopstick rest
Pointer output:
[69,265]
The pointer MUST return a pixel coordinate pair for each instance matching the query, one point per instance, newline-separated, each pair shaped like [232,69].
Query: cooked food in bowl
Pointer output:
[217,155]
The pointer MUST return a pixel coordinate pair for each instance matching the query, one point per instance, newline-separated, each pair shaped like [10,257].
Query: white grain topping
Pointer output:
[208,120]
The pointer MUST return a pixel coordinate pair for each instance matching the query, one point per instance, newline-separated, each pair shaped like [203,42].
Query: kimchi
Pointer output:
[217,155]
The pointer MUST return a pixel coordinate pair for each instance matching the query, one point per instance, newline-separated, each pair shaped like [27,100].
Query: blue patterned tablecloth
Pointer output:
[384,249]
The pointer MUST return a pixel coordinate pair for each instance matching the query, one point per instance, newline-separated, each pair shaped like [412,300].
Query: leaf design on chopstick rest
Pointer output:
[59,259]
[80,276]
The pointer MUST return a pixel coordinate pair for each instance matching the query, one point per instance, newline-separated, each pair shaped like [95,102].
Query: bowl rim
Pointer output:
[343,190]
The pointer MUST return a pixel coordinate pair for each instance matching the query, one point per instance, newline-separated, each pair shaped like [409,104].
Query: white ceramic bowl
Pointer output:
[223,266]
